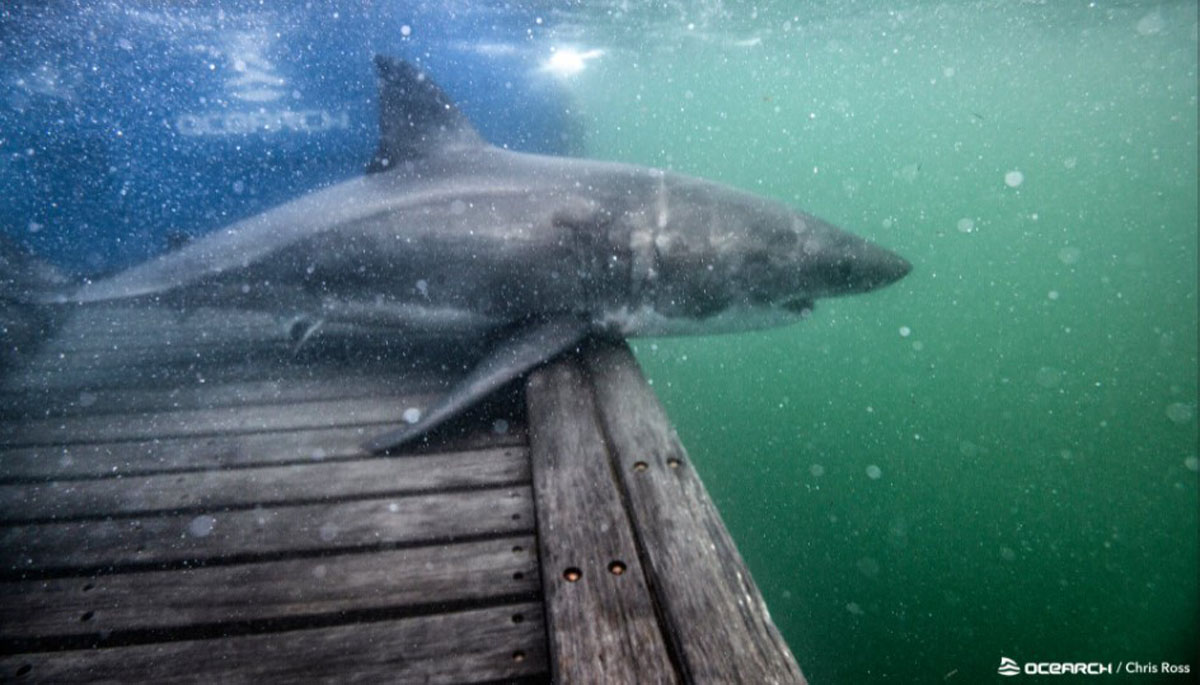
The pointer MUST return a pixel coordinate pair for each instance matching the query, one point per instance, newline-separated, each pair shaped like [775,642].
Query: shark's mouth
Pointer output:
[798,305]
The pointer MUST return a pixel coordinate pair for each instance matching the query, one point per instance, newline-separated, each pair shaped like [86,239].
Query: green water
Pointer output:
[1026,397]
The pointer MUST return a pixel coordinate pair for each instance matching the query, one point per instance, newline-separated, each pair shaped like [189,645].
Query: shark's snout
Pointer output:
[879,267]
[856,267]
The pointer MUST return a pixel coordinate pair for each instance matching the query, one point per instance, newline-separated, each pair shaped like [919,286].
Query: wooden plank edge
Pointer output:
[600,614]
[717,621]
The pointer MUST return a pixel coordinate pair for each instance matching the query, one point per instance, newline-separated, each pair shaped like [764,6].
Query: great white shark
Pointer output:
[447,235]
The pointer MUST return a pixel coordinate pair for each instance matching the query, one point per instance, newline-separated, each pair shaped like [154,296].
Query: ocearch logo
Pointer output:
[1008,667]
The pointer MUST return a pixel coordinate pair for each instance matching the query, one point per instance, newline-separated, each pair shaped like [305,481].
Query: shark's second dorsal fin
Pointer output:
[416,118]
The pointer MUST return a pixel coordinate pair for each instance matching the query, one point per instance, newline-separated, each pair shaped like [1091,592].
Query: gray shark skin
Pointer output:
[447,235]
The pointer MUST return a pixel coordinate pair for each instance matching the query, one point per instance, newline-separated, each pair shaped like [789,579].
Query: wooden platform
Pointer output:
[184,499]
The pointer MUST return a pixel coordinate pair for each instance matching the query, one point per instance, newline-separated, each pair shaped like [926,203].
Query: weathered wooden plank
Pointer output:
[263,486]
[154,364]
[714,613]
[171,455]
[220,421]
[114,605]
[315,382]
[260,532]
[600,613]
[469,646]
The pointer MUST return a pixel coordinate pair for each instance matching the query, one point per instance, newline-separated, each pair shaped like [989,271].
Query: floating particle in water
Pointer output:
[816,470]
[1070,162]
[1007,554]
[1191,463]
[868,567]
[898,533]
[905,331]
[1052,295]
[1179,412]
[238,187]
[1151,24]
[34,227]
[393,507]
[1070,255]
[854,608]
[966,225]
[423,288]
[1049,377]
[1014,178]
[202,525]
[874,472]
[328,532]
[412,415]
[500,427]
[406,30]
[948,72]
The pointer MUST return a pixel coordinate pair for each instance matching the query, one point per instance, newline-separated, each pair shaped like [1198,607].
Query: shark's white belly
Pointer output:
[644,320]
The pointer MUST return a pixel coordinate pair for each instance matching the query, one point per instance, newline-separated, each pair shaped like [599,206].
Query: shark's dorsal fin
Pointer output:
[416,118]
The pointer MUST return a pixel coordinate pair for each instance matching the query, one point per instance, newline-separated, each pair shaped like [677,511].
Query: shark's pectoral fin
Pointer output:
[514,354]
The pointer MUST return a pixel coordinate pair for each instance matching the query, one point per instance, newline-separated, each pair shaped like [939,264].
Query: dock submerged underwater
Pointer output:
[186,499]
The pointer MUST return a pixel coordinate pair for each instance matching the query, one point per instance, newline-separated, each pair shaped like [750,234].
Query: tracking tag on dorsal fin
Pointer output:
[416,118]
